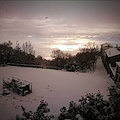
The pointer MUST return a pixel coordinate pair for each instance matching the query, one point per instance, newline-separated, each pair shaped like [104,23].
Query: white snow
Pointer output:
[57,88]
[112,52]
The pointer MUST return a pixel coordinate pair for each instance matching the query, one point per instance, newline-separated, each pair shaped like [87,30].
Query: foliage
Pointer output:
[70,113]
[39,60]
[84,60]
[8,54]
[90,107]
[114,98]
[94,107]
[40,113]
[86,57]
[28,48]
[60,58]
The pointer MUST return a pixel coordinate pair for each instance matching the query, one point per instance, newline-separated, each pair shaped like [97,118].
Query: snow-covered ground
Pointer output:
[57,88]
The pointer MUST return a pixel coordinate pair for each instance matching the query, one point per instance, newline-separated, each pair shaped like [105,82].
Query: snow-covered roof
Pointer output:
[118,63]
[112,52]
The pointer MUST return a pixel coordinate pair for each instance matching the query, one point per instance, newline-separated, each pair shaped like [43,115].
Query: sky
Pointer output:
[65,25]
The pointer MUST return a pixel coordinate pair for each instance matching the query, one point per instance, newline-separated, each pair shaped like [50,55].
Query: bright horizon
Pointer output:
[64,25]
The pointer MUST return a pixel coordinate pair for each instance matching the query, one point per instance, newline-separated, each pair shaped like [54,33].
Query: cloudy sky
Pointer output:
[65,25]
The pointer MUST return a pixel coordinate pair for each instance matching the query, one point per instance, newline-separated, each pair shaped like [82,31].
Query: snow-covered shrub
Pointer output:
[38,115]
[94,107]
[90,107]
[114,98]
[71,113]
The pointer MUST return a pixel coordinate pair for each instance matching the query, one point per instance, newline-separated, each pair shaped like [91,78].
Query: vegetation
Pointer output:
[39,114]
[94,107]
[60,58]
[8,54]
[114,98]
[84,60]
[90,107]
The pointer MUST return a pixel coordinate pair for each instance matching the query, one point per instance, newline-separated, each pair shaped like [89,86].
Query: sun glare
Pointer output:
[82,41]
[65,47]
[69,44]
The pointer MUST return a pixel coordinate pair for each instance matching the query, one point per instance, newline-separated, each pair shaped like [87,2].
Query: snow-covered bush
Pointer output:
[71,113]
[94,107]
[40,113]
[114,98]
[90,107]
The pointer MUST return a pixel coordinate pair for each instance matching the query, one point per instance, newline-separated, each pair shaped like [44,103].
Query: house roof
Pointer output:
[118,63]
[112,52]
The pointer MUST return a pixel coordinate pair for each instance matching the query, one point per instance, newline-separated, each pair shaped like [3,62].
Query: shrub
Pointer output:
[38,115]
[90,107]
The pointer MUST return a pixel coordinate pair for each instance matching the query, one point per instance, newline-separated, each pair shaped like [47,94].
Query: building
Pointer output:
[112,55]
[104,47]
[109,57]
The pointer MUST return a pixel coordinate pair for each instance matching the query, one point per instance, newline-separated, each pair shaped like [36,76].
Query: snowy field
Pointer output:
[56,87]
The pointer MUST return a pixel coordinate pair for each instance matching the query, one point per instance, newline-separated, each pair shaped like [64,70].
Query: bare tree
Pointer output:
[60,58]
[28,48]
[87,57]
